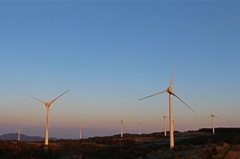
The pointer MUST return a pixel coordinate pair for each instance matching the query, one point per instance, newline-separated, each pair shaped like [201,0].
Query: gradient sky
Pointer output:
[112,53]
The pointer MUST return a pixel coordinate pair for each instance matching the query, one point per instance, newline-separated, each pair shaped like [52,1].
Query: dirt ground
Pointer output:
[234,152]
[196,152]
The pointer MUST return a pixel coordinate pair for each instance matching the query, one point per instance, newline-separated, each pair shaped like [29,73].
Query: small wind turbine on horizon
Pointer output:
[169,90]
[47,104]
[213,116]
[121,125]
[139,128]
[165,127]
[80,133]
[164,120]
[121,128]
[19,134]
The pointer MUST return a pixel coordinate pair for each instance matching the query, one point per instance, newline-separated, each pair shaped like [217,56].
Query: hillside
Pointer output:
[192,144]
[13,136]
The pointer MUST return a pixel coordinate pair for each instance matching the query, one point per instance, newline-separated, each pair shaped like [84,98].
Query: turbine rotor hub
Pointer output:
[47,104]
[170,90]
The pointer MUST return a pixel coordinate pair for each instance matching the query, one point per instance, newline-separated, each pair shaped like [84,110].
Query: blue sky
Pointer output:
[110,54]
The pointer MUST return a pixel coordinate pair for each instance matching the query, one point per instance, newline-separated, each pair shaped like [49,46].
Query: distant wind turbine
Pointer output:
[139,128]
[169,90]
[19,134]
[165,128]
[213,116]
[80,135]
[164,120]
[121,127]
[47,104]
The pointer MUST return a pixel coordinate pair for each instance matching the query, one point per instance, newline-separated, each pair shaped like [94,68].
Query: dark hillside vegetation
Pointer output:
[132,146]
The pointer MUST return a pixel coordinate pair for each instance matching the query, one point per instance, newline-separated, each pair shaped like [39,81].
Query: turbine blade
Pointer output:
[57,97]
[164,115]
[173,75]
[217,117]
[153,95]
[182,101]
[161,111]
[206,119]
[36,99]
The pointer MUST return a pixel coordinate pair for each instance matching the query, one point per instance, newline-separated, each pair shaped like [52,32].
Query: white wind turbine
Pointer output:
[213,116]
[164,120]
[48,104]
[19,134]
[169,90]
[80,133]
[165,127]
[139,128]
[121,128]
[121,125]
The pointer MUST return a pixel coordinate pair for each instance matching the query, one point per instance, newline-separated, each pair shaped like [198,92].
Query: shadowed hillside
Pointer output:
[192,144]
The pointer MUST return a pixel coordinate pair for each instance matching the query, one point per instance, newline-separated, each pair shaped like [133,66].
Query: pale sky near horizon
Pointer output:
[112,53]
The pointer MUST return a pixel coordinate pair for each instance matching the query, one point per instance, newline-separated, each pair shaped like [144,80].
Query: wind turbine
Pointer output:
[121,124]
[213,116]
[164,120]
[169,90]
[80,135]
[19,134]
[121,127]
[48,104]
[139,128]
[165,127]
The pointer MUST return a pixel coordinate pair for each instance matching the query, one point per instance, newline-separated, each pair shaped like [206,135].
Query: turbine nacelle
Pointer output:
[47,104]
[170,90]
[214,116]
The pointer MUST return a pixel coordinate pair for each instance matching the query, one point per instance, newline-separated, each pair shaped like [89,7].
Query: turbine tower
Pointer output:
[48,104]
[164,122]
[121,128]
[80,135]
[139,128]
[19,134]
[173,125]
[165,128]
[121,124]
[213,116]
[169,90]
